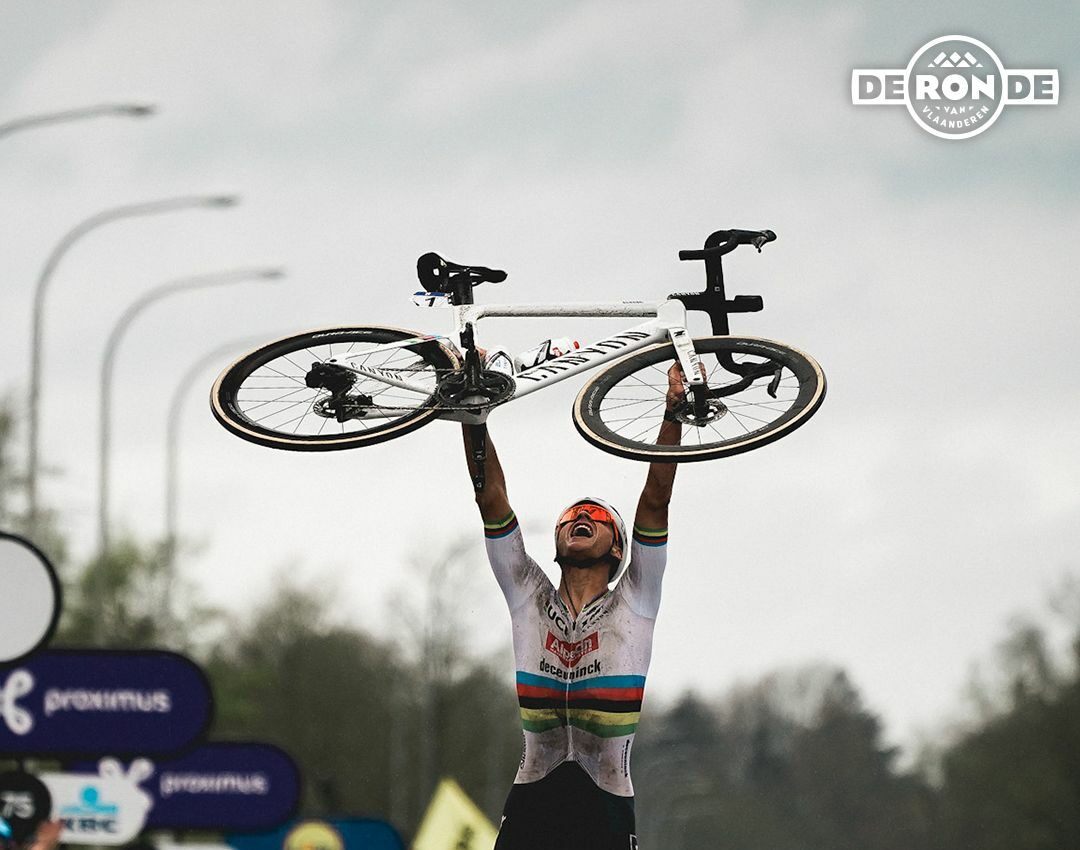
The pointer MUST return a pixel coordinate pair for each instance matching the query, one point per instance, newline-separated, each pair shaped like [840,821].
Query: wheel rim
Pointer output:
[621,410]
[265,394]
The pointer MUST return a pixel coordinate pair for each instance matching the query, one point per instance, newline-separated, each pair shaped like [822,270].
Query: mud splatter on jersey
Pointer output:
[580,682]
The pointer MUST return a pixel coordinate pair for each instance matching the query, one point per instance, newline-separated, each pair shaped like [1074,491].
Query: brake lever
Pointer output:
[774,384]
[761,239]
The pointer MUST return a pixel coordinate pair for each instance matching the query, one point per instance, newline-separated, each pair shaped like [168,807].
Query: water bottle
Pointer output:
[549,349]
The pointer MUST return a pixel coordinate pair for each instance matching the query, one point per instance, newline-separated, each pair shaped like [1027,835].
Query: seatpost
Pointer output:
[461,289]
[462,293]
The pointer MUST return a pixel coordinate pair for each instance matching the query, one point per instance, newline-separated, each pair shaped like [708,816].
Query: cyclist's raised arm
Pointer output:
[517,574]
[652,509]
[491,500]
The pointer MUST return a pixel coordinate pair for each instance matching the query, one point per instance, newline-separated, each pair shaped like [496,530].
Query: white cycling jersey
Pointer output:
[579,682]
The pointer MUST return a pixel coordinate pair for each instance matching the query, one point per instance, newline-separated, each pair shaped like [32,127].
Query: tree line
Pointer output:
[794,761]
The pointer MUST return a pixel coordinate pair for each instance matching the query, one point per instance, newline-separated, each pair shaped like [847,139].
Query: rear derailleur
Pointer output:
[340,405]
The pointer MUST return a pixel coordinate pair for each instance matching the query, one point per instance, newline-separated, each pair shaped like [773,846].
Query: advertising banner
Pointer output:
[329,834]
[30,601]
[97,702]
[222,786]
[24,803]
[103,808]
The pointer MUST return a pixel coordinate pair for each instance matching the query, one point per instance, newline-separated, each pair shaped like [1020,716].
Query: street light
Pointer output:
[36,331]
[109,358]
[127,110]
[172,442]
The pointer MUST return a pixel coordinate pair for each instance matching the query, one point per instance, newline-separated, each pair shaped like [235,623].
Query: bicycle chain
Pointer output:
[505,392]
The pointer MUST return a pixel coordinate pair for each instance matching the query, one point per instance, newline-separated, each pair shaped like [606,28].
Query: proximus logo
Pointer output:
[18,719]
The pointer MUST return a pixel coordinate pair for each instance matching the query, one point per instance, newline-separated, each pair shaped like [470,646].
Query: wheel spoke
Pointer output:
[270,397]
[624,408]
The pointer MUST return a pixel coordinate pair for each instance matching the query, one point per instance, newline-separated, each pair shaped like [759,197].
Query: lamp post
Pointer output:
[109,358]
[172,444]
[93,222]
[128,110]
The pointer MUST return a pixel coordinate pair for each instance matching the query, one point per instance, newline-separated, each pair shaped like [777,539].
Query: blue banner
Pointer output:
[95,702]
[329,834]
[220,786]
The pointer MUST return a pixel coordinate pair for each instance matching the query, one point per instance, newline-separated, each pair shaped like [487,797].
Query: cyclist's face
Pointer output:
[581,536]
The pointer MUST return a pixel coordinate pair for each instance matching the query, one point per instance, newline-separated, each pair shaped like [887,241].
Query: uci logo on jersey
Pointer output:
[18,719]
[954,87]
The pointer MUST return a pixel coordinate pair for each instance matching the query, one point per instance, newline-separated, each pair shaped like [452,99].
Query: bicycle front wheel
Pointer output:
[266,396]
[620,410]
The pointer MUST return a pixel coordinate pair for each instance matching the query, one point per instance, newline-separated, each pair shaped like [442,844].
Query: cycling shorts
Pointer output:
[566,811]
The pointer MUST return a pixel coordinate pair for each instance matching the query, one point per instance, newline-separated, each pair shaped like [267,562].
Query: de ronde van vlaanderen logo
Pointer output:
[954,87]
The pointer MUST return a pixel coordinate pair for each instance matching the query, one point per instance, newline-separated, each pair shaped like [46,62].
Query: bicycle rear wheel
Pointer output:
[265,397]
[620,409]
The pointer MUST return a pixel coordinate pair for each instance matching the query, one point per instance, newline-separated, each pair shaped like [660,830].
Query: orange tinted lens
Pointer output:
[594,512]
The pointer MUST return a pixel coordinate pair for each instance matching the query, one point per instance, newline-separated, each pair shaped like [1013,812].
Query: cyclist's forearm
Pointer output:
[492,499]
[652,509]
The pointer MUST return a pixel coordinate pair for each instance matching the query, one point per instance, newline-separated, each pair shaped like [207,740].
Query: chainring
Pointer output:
[453,394]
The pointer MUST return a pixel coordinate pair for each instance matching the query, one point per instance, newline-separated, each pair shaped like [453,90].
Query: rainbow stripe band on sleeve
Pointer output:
[501,528]
[650,536]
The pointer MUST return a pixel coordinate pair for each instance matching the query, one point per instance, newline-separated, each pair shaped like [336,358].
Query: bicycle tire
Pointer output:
[247,402]
[621,424]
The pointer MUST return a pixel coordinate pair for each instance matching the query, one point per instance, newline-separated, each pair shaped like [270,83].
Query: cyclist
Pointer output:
[581,652]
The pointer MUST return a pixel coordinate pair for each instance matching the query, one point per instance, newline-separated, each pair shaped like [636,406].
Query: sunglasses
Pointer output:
[593,512]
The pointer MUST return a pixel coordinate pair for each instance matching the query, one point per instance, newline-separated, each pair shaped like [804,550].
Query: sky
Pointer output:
[579,146]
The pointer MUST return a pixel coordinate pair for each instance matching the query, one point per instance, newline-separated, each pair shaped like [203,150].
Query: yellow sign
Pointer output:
[313,835]
[454,822]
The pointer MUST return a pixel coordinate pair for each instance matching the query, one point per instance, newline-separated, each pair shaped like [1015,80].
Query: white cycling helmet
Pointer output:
[620,533]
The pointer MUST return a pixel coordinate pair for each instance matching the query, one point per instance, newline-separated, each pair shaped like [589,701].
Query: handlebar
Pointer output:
[712,299]
[729,241]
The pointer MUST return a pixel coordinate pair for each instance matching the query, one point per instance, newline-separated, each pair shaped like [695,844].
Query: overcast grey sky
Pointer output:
[578,146]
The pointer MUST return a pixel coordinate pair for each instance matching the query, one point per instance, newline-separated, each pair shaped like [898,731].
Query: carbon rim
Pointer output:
[263,397]
[620,410]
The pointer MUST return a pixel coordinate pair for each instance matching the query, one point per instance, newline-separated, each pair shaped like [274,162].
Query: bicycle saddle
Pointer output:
[439,275]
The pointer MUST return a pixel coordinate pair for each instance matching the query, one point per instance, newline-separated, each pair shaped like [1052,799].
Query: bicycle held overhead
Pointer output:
[351,386]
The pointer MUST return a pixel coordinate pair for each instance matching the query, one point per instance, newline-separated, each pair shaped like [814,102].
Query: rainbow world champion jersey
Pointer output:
[579,682]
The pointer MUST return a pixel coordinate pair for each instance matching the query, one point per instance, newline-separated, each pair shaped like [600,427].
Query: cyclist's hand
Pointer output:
[47,836]
[676,391]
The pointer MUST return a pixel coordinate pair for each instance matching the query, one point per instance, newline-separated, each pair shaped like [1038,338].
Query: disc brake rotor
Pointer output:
[714,409]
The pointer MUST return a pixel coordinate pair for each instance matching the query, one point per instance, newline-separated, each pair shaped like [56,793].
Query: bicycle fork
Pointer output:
[690,363]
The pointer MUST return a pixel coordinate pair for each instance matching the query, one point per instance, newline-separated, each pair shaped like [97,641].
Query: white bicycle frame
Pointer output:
[667,322]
